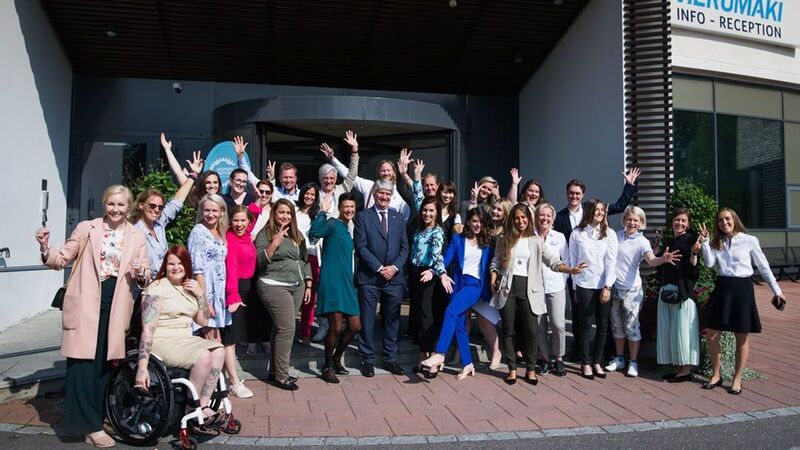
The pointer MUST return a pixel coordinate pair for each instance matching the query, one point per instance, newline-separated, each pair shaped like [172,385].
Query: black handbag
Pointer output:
[673,297]
[58,299]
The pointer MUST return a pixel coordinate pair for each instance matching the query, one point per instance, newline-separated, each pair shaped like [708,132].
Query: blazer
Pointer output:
[540,257]
[375,250]
[81,311]
[454,258]
[561,222]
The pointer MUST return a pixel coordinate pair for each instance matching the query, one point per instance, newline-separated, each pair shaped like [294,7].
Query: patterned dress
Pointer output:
[208,259]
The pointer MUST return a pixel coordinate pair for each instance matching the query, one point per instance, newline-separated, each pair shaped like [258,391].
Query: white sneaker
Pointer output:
[618,363]
[240,390]
[633,370]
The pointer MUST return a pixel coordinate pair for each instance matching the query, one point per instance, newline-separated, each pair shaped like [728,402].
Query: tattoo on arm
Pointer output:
[202,304]
[211,382]
[150,308]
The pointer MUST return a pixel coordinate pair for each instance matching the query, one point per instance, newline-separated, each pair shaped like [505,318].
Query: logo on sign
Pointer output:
[223,160]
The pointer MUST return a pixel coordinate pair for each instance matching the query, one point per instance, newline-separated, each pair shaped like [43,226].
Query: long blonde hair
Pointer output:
[222,223]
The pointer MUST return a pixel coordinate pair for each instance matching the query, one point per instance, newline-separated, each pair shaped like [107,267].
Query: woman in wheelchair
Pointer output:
[169,306]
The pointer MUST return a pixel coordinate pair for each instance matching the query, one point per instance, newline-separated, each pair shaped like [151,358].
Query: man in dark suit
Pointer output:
[568,219]
[382,246]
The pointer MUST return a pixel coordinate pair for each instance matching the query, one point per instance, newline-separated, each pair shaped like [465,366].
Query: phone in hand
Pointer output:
[778,303]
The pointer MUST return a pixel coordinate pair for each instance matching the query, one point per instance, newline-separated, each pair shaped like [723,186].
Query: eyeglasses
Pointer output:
[239,181]
[265,192]
[155,206]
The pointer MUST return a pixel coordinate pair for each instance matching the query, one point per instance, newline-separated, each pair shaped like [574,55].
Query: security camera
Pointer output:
[177,87]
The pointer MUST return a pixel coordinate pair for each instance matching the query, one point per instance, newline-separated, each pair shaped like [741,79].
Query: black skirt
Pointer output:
[732,306]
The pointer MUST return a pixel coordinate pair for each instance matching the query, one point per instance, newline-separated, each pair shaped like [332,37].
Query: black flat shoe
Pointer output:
[509,380]
[561,371]
[393,368]
[733,391]
[288,385]
[680,379]
[543,368]
[531,377]
[368,370]
[709,385]
[338,369]
[329,376]
[271,378]
[669,376]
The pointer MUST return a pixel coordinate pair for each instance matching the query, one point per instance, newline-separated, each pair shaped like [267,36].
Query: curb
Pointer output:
[254,441]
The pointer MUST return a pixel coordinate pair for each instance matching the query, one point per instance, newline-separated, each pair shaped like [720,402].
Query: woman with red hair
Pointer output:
[169,306]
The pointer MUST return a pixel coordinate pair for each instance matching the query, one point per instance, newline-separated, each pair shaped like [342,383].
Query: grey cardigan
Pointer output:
[289,263]
[541,256]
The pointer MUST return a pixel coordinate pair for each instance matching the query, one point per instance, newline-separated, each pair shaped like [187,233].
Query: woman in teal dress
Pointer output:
[336,294]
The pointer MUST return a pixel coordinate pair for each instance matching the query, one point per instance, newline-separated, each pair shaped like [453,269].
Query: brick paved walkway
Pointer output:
[396,406]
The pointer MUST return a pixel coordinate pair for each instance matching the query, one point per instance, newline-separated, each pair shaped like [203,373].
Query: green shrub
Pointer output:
[161,180]
[704,209]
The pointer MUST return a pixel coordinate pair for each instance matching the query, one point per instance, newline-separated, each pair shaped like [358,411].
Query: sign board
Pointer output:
[223,159]
[770,21]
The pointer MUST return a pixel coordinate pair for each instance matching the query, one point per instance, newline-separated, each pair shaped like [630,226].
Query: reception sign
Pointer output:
[770,21]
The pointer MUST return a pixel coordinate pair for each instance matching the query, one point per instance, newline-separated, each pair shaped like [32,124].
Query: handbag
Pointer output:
[58,299]
[671,296]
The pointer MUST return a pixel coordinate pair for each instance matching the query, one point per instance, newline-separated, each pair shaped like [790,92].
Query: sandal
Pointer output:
[210,424]
[100,439]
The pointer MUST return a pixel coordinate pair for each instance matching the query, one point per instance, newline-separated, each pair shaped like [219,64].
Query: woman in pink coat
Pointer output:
[97,306]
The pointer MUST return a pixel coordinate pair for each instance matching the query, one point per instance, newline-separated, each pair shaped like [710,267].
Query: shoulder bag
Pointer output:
[58,299]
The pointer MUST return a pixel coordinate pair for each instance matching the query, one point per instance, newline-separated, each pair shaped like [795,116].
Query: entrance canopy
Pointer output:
[454,46]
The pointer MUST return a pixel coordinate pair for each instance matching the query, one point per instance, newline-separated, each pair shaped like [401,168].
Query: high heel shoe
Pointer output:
[511,378]
[435,360]
[589,376]
[530,377]
[709,385]
[465,372]
[598,373]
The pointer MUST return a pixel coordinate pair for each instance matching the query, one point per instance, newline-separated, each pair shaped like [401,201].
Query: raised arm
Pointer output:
[352,172]
[195,168]
[628,191]
[174,165]
[239,146]
[709,255]
[515,180]
[402,166]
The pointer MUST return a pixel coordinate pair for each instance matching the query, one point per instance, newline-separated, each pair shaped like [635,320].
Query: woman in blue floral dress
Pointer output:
[208,249]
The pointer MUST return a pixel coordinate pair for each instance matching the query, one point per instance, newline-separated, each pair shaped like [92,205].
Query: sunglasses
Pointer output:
[265,191]
[155,206]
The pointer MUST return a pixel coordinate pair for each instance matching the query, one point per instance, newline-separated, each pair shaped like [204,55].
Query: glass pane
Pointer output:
[751,170]
[104,164]
[748,101]
[693,94]
[694,148]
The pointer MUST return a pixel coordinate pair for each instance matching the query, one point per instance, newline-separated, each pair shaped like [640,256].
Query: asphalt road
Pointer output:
[775,433]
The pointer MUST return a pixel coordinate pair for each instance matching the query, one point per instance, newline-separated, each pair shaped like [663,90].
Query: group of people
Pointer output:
[265,250]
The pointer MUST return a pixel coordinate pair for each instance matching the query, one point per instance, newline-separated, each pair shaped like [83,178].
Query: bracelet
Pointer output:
[193,176]
[45,252]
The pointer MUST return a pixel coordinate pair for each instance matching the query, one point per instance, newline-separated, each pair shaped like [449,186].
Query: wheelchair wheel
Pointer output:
[140,418]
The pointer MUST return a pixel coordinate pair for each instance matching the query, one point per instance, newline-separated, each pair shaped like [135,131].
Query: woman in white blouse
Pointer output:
[732,305]
[517,280]
[594,243]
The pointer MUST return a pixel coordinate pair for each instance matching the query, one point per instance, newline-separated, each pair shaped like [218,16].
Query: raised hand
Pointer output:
[327,150]
[403,161]
[165,143]
[281,234]
[631,176]
[672,257]
[239,145]
[696,247]
[43,237]
[352,140]
[515,178]
[473,193]
[196,164]
[703,232]
[270,170]
[193,287]
[419,166]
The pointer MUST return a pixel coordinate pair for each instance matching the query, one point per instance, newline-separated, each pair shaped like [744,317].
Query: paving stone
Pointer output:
[442,438]
[738,417]
[529,434]
[559,432]
[348,441]
[588,430]
[9,426]
[502,435]
[473,437]
[274,442]
[400,440]
[643,426]
[760,414]
[672,424]
[374,440]
[782,411]
[242,440]
[307,441]
[618,428]
[32,430]
[221,439]
[698,421]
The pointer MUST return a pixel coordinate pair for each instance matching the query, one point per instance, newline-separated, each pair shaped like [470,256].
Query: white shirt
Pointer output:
[472,260]
[585,246]
[261,222]
[520,257]
[575,217]
[630,253]
[365,187]
[556,244]
[303,225]
[737,257]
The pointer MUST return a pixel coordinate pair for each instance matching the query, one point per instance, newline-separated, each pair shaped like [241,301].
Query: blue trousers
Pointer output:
[389,297]
[455,321]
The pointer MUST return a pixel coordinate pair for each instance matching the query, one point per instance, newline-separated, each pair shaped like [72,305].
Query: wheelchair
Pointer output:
[141,418]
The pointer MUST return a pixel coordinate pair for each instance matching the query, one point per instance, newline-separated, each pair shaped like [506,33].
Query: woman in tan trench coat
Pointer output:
[97,306]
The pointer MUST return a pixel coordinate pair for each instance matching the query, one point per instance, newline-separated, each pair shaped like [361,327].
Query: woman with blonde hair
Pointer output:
[284,282]
[110,260]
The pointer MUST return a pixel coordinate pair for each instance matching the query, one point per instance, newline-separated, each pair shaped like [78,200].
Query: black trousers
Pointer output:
[87,379]
[592,310]
[429,304]
[575,315]
[258,323]
[518,309]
